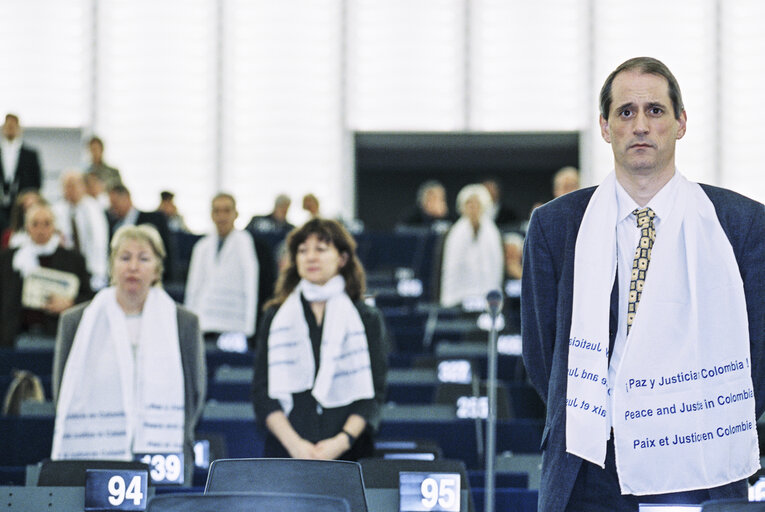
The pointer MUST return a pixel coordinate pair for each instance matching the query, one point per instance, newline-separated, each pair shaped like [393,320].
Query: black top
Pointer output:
[307,417]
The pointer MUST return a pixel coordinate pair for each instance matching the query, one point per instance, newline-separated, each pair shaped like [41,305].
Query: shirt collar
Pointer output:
[661,203]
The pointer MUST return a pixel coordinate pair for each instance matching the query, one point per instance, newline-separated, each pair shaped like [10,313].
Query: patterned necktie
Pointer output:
[642,259]
[75,232]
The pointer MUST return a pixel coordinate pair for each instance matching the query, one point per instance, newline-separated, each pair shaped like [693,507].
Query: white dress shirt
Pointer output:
[627,238]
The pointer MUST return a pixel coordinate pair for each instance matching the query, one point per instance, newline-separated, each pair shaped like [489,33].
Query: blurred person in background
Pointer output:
[40,248]
[96,188]
[499,212]
[16,231]
[123,213]
[222,283]
[109,175]
[311,205]
[513,243]
[321,358]
[276,221]
[20,167]
[565,180]
[167,207]
[473,259]
[129,372]
[83,226]
[431,209]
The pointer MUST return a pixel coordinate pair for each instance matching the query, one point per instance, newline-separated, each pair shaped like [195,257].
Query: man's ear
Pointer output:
[682,124]
[604,129]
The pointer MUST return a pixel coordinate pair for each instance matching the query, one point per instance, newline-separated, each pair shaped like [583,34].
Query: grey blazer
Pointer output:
[547,291]
[192,361]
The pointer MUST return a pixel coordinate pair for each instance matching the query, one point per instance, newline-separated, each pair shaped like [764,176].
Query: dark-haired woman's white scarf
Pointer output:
[344,374]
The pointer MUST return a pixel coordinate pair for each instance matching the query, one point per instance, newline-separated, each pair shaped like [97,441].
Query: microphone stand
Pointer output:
[494,299]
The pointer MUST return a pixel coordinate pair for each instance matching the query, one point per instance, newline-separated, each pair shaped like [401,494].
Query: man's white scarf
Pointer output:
[222,285]
[26,259]
[110,405]
[344,374]
[684,415]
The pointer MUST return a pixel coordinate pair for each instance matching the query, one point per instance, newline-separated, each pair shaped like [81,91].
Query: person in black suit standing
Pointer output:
[123,213]
[19,167]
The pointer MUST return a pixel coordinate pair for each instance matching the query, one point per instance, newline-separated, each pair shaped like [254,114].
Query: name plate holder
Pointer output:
[107,489]
[423,491]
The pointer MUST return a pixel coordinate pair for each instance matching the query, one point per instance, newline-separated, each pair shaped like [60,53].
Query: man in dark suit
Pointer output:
[19,167]
[122,212]
[579,277]
[41,249]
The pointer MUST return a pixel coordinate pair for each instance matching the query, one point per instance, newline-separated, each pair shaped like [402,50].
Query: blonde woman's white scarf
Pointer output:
[684,414]
[344,374]
[110,406]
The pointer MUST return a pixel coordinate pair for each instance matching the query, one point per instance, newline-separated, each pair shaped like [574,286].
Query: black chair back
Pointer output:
[333,478]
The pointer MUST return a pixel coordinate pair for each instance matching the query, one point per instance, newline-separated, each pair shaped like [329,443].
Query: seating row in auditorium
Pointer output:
[372,484]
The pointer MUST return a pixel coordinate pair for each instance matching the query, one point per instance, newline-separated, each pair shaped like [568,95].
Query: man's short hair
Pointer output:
[645,65]
[166,195]
[96,140]
[422,191]
[282,200]
[120,189]
[224,195]
[12,116]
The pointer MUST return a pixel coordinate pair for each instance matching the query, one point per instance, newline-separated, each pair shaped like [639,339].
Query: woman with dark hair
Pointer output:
[321,357]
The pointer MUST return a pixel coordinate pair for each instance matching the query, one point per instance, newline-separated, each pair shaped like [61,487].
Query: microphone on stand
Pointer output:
[494,301]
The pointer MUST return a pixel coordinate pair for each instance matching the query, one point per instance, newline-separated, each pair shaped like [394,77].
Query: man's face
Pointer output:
[223,215]
[641,125]
[120,203]
[74,189]
[434,202]
[11,128]
[96,152]
[40,225]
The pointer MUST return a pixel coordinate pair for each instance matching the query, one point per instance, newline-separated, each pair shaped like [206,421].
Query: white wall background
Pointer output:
[260,97]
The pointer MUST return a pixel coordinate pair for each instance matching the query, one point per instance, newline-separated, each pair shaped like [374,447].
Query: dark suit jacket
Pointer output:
[10,291]
[159,221]
[28,175]
[548,279]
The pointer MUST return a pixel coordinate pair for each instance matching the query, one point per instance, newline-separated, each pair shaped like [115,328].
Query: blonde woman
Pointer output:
[129,374]
[473,261]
